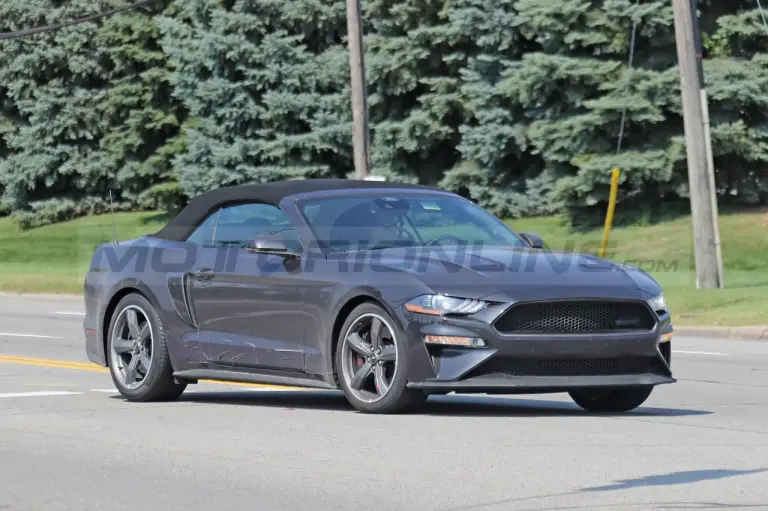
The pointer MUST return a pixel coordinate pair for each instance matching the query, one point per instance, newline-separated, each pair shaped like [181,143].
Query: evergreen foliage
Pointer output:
[500,169]
[263,81]
[517,104]
[414,57]
[87,109]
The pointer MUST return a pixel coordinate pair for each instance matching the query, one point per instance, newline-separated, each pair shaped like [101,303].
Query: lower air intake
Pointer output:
[510,366]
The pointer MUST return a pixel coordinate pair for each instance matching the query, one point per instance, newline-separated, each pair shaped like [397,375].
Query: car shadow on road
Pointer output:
[291,399]
[451,405]
[463,405]
[657,480]
[674,478]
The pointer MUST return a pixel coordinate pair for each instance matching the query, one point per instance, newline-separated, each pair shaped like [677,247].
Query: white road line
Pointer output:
[40,394]
[69,313]
[109,391]
[709,353]
[36,336]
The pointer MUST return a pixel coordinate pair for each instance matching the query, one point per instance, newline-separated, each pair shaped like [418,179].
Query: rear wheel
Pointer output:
[608,401]
[371,363]
[138,354]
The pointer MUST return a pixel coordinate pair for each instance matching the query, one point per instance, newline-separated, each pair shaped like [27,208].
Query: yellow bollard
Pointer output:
[611,208]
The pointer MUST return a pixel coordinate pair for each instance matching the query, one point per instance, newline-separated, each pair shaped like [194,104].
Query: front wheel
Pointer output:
[371,362]
[611,401]
[138,354]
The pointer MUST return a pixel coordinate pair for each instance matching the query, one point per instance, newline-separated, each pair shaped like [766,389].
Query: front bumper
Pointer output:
[533,363]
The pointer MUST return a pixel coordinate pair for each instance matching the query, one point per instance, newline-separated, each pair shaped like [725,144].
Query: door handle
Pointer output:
[204,274]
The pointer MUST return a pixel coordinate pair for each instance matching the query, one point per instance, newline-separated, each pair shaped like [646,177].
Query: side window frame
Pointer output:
[211,242]
[215,227]
[206,242]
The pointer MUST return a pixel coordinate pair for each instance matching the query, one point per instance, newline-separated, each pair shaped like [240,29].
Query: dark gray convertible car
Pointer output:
[390,292]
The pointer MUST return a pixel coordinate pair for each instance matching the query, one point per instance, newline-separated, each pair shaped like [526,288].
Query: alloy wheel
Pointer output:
[132,343]
[369,358]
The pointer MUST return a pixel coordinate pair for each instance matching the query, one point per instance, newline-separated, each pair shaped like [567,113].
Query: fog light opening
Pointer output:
[449,340]
[666,337]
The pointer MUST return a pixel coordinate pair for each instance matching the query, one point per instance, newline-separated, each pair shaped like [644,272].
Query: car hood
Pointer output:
[519,274]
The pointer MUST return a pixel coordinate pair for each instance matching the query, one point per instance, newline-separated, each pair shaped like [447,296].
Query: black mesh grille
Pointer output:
[576,317]
[507,366]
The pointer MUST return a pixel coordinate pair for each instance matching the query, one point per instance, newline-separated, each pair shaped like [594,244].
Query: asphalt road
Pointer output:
[68,442]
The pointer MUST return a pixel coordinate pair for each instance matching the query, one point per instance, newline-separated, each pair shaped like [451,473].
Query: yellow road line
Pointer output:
[90,366]
[61,364]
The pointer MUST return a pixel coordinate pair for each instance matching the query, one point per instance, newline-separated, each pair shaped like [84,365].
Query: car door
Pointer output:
[247,306]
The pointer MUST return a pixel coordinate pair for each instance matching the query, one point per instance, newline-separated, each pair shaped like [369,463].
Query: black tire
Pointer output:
[158,384]
[611,401]
[398,398]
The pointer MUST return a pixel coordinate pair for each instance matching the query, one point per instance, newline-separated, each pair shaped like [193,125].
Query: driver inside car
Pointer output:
[389,230]
[370,226]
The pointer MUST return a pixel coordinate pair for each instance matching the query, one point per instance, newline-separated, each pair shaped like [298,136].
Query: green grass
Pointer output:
[53,259]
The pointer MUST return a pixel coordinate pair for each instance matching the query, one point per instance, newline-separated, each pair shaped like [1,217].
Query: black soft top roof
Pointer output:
[201,206]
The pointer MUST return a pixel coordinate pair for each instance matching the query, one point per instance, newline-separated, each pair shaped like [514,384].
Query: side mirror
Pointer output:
[533,239]
[270,245]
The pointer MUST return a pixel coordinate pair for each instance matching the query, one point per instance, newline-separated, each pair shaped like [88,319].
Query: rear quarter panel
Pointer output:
[151,267]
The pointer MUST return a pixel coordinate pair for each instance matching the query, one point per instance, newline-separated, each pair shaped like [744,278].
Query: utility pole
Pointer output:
[708,274]
[707,136]
[360,134]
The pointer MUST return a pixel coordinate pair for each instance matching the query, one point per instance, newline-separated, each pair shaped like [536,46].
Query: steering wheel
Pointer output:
[451,237]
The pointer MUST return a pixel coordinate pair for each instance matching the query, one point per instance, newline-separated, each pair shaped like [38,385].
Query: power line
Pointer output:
[629,65]
[762,14]
[52,28]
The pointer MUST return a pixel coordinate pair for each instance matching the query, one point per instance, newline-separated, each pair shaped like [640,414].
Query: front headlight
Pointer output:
[658,303]
[439,305]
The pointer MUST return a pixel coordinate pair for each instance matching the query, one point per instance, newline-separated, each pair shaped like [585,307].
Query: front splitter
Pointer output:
[544,383]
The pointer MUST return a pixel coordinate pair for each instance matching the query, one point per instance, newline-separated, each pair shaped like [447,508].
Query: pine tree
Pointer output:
[55,81]
[736,75]
[548,108]
[142,118]
[573,86]
[498,170]
[517,104]
[90,111]
[413,58]
[262,82]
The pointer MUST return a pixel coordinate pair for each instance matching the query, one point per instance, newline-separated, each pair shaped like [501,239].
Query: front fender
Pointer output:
[388,296]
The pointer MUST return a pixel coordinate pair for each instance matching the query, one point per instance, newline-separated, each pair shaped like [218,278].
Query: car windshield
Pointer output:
[373,221]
